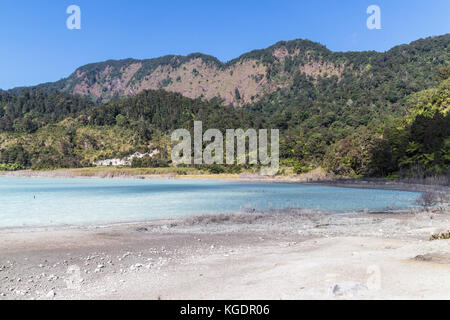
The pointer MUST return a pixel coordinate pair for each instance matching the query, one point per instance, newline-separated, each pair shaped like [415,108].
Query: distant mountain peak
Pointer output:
[241,81]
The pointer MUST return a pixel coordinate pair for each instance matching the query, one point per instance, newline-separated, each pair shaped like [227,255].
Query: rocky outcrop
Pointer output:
[238,82]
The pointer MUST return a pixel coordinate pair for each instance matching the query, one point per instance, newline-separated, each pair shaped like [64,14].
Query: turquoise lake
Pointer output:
[29,202]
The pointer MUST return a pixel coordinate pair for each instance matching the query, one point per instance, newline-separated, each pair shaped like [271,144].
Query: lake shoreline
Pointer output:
[315,178]
[176,220]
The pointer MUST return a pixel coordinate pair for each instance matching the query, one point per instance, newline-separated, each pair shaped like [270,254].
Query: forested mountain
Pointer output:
[415,145]
[368,77]
[354,113]
[31,109]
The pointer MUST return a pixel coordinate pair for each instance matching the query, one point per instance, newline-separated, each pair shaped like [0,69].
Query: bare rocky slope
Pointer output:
[247,79]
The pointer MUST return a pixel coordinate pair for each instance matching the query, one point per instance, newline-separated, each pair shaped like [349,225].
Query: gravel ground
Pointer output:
[292,254]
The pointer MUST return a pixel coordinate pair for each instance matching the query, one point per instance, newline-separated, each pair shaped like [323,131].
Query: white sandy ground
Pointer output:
[295,254]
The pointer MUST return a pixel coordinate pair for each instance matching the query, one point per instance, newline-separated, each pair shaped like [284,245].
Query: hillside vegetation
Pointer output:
[354,113]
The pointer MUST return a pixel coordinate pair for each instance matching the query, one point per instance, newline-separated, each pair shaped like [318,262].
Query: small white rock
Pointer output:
[137,266]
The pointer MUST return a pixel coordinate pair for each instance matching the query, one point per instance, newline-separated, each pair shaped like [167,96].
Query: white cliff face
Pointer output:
[125,161]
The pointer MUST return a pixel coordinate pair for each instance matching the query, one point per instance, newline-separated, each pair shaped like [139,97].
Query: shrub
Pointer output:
[149,162]
[428,199]
[299,168]
[216,169]
[10,166]
[440,236]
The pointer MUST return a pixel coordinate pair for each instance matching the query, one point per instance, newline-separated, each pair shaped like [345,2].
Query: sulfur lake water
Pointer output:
[33,202]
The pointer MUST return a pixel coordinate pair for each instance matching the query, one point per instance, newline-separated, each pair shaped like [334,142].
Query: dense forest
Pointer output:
[388,115]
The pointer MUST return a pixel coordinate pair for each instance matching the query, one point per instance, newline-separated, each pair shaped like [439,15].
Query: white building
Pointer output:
[125,161]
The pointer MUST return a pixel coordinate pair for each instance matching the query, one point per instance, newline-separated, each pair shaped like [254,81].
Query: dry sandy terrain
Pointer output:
[294,254]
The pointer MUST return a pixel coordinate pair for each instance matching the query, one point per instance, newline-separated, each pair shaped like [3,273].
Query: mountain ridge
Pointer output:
[240,81]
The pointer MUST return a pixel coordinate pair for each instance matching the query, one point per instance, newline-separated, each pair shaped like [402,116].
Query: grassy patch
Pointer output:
[440,236]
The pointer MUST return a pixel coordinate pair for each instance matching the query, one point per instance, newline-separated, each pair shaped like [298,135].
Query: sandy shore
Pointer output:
[315,177]
[295,254]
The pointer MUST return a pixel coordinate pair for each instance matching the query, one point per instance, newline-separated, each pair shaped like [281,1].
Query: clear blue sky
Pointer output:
[37,47]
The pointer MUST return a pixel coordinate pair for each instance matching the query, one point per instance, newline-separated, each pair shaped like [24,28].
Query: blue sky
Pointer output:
[37,47]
